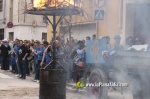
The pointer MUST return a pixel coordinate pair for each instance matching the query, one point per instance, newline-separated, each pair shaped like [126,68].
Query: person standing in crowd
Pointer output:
[117,45]
[47,55]
[94,37]
[88,38]
[16,52]
[108,45]
[78,63]
[27,44]
[129,41]
[83,42]
[36,49]
[31,58]
[32,41]
[22,59]
[12,62]
[5,48]
[59,52]
[71,43]
[11,43]
[39,59]
[11,50]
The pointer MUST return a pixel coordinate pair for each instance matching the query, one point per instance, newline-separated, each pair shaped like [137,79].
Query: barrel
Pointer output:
[52,84]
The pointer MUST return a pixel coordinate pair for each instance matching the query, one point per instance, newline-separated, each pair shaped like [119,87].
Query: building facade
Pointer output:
[2,18]
[17,24]
[123,17]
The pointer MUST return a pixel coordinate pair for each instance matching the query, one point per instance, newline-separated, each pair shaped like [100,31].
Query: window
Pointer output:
[1,5]
[11,36]
[1,34]
[44,36]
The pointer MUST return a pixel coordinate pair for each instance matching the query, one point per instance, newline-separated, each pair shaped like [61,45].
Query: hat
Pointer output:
[117,37]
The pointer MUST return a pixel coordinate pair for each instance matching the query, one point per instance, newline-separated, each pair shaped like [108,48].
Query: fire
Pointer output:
[40,3]
[52,3]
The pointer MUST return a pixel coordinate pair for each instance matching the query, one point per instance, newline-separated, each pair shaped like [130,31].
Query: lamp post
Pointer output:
[53,76]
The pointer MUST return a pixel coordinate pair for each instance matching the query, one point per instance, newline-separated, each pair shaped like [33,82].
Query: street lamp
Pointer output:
[53,79]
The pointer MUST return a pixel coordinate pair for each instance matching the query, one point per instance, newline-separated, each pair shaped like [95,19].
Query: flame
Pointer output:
[52,3]
[40,3]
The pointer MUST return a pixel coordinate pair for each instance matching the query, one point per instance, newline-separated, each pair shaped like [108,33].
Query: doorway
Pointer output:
[138,21]
[11,36]
[1,34]
[142,20]
[44,36]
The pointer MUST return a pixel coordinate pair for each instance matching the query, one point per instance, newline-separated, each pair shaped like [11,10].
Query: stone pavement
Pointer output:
[11,87]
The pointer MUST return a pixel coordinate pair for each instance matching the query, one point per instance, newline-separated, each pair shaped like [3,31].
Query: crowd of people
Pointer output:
[26,57]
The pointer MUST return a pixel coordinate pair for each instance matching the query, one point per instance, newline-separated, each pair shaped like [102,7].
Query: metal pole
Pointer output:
[70,28]
[54,37]
[69,34]
[97,35]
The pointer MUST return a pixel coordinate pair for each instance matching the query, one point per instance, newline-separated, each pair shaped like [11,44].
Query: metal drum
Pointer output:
[52,83]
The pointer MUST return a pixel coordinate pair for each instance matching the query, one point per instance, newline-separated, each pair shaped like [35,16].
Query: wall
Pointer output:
[129,29]
[110,25]
[1,12]
[26,32]
[2,25]
[18,13]
[23,22]
[1,15]
[80,32]
[107,27]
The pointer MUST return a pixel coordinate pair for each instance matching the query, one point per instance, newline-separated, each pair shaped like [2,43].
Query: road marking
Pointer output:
[4,76]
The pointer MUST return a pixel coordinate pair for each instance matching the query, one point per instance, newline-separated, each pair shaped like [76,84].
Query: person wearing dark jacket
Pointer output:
[22,59]
[5,48]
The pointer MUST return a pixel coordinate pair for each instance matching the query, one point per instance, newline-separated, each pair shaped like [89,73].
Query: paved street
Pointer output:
[13,88]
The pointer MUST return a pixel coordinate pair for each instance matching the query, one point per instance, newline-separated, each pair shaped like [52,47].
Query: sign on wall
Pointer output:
[98,14]
[99,3]
[10,25]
